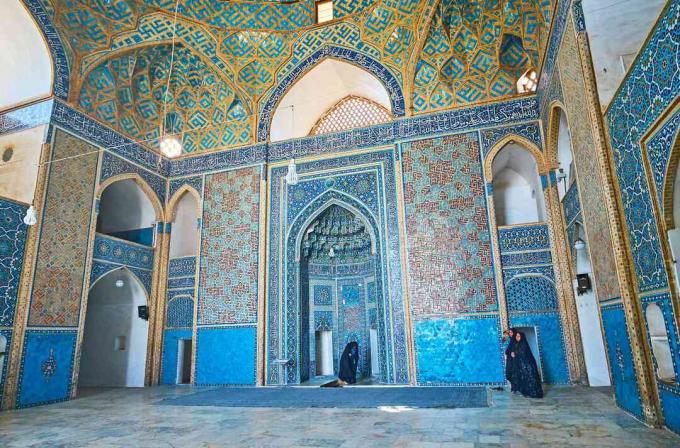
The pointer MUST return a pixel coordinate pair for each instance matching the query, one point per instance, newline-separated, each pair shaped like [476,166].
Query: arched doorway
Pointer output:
[338,294]
[115,336]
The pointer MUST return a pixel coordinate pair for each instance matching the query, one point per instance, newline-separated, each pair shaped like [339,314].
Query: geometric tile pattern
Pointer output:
[449,248]
[475,53]
[12,243]
[62,249]
[526,258]
[182,267]
[571,204]
[180,312]
[118,251]
[650,87]
[531,131]
[523,238]
[349,113]
[323,295]
[113,166]
[590,184]
[659,150]
[531,293]
[229,248]
[421,126]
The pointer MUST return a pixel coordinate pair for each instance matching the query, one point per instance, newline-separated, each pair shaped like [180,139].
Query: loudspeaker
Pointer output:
[583,284]
[143,312]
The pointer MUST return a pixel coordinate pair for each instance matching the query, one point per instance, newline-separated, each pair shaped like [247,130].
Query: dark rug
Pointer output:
[347,397]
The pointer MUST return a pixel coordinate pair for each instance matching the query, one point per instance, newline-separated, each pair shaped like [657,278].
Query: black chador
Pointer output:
[348,363]
[522,370]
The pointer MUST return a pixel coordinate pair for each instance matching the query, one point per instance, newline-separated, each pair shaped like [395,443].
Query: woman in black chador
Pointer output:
[348,363]
[509,359]
[523,373]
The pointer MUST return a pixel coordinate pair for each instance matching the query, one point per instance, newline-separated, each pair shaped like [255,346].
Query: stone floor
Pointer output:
[131,418]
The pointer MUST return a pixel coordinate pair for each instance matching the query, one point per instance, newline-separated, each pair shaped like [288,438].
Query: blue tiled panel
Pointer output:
[226,355]
[12,244]
[530,131]
[113,165]
[462,351]
[26,117]
[181,283]
[523,238]
[551,344]
[122,252]
[169,362]
[670,403]
[323,295]
[650,88]
[571,204]
[531,293]
[663,301]
[621,359]
[180,312]
[526,258]
[46,367]
[182,267]
[352,295]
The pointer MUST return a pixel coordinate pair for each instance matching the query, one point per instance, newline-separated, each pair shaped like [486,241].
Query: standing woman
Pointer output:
[525,371]
[509,358]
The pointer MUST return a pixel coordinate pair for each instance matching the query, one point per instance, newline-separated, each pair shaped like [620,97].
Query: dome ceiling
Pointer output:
[231,54]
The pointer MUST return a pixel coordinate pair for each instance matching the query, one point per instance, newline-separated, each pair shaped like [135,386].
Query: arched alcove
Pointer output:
[126,212]
[338,297]
[656,322]
[115,337]
[26,68]
[517,188]
[318,91]
[565,156]
[672,216]
[185,233]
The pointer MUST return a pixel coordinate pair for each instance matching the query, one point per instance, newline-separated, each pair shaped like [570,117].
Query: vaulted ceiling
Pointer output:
[229,56]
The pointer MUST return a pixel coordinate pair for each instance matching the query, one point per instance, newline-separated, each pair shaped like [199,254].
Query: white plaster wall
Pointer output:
[26,72]
[124,206]
[517,189]
[564,155]
[184,235]
[112,312]
[18,176]
[617,28]
[319,90]
[588,313]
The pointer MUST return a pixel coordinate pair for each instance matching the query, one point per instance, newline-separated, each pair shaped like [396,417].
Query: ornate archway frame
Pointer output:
[663,211]
[565,295]
[171,213]
[291,263]
[563,260]
[266,112]
[151,359]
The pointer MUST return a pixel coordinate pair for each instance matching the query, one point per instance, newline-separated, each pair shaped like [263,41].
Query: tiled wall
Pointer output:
[13,234]
[450,262]
[646,105]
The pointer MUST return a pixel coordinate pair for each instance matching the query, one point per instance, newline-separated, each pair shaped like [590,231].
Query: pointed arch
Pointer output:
[555,110]
[171,209]
[669,184]
[140,283]
[319,209]
[61,70]
[362,61]
[522,141]
[148,191]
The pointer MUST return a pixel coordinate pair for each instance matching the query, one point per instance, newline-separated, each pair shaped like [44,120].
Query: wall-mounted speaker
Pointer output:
[143,312]
[583,284]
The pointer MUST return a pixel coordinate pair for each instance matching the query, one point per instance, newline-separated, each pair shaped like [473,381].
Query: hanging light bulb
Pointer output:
[331,253]
[120,283]
[171,146]
[292,176]
[31,218]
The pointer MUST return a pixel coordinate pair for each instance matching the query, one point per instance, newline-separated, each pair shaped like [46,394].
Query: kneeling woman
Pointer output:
[523,371]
